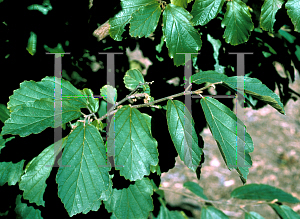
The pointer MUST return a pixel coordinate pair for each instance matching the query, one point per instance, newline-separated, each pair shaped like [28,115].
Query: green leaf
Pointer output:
[3,141]
[210,212]
[85,177]
[10,173]
[119,21]
[57,49]
[44,10]
[287,36]
[4,113]
[253,215]
[24,211]
[179,33]
[98,124]
[165,213]
[293,11]
[285,212]
[257,89]
[102,109]
[93,103]
[30,91]
[195,188]
[31,45]
[205,10]
[144,20]
[133,78]
[109,93]
[262,192]
[237,20]
[268,13]
[207,76]
[135,148]
[134,202]
[180,3]
[33,182]
[216,46]
[35,117]
[183,134]
[223,125]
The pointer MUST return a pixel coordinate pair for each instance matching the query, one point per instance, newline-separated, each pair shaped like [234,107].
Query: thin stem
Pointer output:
[199,199]
[111,111]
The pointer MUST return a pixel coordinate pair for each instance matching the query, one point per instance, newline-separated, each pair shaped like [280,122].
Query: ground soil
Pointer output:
[276,162]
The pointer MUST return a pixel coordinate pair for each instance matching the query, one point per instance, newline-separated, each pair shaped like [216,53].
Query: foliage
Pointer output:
[118,170]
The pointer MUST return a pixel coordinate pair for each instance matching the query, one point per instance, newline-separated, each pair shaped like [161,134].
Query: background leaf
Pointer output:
[262,192]
[285,212]
[195,188]
[24,211]
[33,182]
[4,113]
[10,173]
[3,141]
[210,212]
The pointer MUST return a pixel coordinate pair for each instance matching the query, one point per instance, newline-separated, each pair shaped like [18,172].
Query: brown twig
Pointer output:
[102,31]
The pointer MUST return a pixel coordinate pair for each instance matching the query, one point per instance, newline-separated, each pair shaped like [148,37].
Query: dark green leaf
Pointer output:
[165,213]
[257,89]
[4,113]
[223,125]
[119,21]
[33,182]
[3,141]
[253,215]
[144,20]
[268,12]
[210,212]
[135,148]
[135,202]
[93,103]
[133,78]
[31,45]
[262,192]
[82,184]
[179,33]
[285,212]
[237,20]
[195,188]
[35,117]
[30,91]
[10,173]
[205,10]
[183,134]
[293,10]
[24,211]
[207,76]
